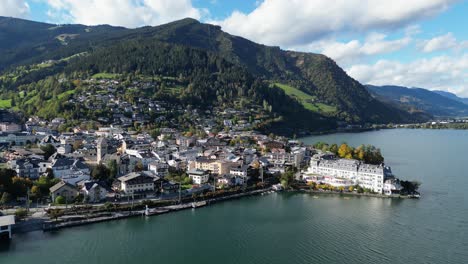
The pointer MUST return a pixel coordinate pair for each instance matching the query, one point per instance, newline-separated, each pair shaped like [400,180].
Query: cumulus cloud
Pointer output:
[443,42]
[447,73]
[129,13]
[296,22]
[14,8]
[355,51]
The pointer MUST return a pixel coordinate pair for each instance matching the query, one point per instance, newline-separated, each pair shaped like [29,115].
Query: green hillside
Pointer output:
[308,101]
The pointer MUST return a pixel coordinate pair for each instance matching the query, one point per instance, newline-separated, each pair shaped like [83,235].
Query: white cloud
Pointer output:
[448,73]
[296,22]
[354,51]
[14,8]
[129,13]
[443,42]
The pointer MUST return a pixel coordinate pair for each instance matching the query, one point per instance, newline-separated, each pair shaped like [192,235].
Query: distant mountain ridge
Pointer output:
[324,83]
[419,99]
[452,96]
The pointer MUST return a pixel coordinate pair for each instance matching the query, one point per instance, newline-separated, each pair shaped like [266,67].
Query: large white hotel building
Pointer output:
[347,172]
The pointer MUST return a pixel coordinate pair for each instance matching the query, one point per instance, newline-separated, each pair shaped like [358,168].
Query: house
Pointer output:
[94,191]
[198,176]
[10,127]
[64,189]
[27,168]
[169,187]
[136,182]
[70,170]
[231,180]
[5,225]
[239,171]
[64,149]
[161,169]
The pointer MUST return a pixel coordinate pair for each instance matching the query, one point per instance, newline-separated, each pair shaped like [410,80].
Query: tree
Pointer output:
[113,168]
[77,145]
[139,166]
[100,172]
[345,151]
[21,213]
[6,198]
[49,150]
[60,200]
[334,148]
[287,178]
[35,192]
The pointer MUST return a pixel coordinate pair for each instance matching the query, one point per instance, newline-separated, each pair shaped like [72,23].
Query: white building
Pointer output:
[198,176]
[344,172]
[5,225]
[136,182]
[94,191]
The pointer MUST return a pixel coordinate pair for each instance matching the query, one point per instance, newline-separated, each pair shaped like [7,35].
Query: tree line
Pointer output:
[366,153]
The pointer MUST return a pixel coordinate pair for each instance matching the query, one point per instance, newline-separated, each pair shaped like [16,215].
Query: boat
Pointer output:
[414,196]
[198,204]
[155,211]
[277,187]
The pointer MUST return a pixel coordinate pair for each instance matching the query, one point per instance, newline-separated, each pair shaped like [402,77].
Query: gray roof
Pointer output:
[197,172]
[60,185]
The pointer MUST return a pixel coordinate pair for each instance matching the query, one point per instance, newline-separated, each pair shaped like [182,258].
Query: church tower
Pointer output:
[101,149]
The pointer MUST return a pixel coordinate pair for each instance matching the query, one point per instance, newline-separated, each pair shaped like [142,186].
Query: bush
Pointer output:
[21,213]
[60,200]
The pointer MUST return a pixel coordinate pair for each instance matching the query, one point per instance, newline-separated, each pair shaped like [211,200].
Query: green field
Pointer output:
[306,100]
[62,95]
[6,103]
[105,75]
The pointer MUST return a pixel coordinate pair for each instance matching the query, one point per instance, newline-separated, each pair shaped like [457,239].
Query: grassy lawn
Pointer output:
[62,95]
[5,103]
[306,100]
[105,75]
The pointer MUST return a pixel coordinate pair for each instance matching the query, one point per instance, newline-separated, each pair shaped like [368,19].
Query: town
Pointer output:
[122,157]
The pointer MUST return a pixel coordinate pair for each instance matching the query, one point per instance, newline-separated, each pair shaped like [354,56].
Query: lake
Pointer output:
[294,228]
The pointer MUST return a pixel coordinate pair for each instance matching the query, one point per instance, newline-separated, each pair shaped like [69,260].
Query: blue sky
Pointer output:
[415,43]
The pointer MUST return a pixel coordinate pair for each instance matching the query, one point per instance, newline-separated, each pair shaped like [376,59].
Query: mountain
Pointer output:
[452,96]
[306,90]
[419,99]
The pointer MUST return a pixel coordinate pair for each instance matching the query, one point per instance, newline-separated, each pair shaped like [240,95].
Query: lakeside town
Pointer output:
[55,175]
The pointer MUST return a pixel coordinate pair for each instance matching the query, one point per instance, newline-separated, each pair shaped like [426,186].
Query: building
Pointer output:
[392,186]
[198,176]
[64,149]
[10,127]
[70,170]
[215,166]
[239,171]
[64,189]
[94,191]
[27,168]
[231,180]
[5,225]
[346,172]
[136,182]
[101,149]
[161,169]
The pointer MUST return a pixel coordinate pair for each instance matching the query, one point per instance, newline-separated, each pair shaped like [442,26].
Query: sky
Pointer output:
[413,43]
